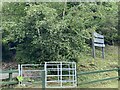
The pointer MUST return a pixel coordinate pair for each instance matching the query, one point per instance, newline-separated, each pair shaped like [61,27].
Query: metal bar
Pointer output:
[52,64]
[60,62]
[10,75]
[69,71]
[119,73]
[32,70]
[9,71]
[60,87]
[45,67]
[32,76]
[19,69]
[61,73]
[58,75]
[75,76]
[62,68]
[43,80]
[31,64]
[99,71]
[100,80]
[10,82]
[63,81]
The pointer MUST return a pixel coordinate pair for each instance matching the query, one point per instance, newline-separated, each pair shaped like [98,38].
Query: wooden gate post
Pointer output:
[93,47]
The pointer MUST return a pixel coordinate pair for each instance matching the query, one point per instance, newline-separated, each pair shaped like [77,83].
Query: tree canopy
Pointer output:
[38,32]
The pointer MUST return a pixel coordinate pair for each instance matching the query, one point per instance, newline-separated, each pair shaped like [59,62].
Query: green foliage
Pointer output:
[10,18]
[109,24]
[20,78]
[44,38]
[56,31]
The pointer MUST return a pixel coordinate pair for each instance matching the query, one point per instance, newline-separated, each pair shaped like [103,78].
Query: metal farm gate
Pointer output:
[49,75]
[60,74]
[31,73]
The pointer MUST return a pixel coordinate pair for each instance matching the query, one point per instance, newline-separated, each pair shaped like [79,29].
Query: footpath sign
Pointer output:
[97,41]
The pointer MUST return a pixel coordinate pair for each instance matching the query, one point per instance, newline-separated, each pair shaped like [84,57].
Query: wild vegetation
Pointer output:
[38,32]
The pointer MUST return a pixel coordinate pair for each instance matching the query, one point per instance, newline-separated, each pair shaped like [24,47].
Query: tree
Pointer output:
[50,31]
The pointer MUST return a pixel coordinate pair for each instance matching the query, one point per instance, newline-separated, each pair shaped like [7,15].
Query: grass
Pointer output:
[87,63]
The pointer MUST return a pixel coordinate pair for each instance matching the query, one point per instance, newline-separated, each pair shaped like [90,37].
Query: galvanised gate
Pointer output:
[53,74]
[60,74]
[60,79]
[31,73]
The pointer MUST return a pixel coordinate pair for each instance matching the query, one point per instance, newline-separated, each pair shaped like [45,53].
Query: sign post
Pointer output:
[103,56]
[97,41]
[93,47]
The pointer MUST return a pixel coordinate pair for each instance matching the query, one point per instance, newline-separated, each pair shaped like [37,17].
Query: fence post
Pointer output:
[19,71]
[10,75]
[77,79]
[119,73]
[43,80]
[93,46]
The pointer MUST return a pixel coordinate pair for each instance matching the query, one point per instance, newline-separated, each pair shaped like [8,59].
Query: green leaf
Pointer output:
[20,78]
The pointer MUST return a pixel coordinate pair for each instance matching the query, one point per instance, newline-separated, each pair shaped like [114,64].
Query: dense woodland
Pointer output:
[38,32]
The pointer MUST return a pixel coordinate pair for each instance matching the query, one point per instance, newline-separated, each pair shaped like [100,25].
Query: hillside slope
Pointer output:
[87,63]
